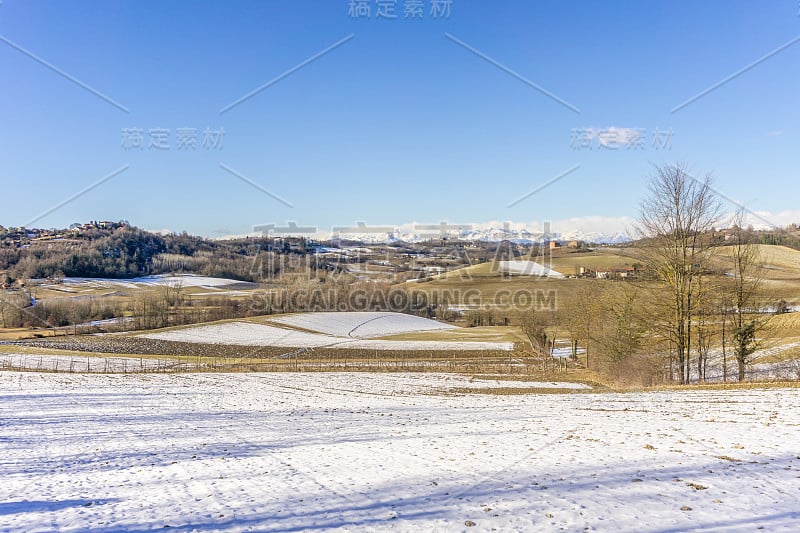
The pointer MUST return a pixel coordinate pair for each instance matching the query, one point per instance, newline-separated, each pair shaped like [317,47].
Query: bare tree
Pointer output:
[705,328]
[675,220]
[533,326]
[578,311]
[748,275]
[5,308]
[619,327]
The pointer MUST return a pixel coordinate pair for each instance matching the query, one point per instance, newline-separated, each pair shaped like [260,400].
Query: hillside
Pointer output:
[557,265]
[780,262]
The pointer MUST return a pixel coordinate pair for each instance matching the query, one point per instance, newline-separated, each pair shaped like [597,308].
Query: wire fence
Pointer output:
[300,360]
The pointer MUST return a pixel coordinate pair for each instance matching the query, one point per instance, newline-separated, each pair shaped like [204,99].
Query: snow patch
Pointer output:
[361,324]
[527,268]
[182,280]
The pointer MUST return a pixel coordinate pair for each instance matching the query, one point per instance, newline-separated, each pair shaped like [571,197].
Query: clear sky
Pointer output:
[455,117]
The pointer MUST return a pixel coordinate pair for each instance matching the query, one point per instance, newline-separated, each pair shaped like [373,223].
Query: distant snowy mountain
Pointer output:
[410,233]
[597,237]
[523,236]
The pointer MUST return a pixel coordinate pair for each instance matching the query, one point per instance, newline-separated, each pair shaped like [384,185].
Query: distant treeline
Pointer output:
[126,252]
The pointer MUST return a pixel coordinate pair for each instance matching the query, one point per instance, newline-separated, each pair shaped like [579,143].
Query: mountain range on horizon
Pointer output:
[377,235]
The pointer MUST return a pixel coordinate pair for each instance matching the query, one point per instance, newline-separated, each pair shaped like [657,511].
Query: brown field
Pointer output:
[484,333]
[781,265]
[600,259]
[784,326]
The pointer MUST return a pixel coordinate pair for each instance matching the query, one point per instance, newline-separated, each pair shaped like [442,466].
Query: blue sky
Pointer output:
[400,123]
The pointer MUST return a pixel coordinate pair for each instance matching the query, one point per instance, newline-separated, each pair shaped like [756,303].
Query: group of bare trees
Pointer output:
[12,308]
[17,310]
[607,326]
[700,299]
[706,295]
[675,224]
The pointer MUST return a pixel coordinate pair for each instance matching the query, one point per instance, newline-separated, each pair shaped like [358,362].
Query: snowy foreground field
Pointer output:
[405,452]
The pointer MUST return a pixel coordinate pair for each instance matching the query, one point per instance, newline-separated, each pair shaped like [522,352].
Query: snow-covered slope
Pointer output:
[250,334]
[182,280]
[361,325]
[388,452]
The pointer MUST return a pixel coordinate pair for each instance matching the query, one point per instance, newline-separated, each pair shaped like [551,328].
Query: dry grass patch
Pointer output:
[746,385]
[786,325]
[482,334]
[517,391]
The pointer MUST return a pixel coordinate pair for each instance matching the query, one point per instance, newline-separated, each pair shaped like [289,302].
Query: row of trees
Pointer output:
[17,311]
[698,299]
[147,309]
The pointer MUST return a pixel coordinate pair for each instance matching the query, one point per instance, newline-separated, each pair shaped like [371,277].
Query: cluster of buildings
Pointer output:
[569,244]
[22,236]
[626,272]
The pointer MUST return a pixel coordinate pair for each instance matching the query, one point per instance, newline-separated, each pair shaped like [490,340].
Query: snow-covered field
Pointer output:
[327,330]
[360,325]
[183,280]
[249,334]
[367,452]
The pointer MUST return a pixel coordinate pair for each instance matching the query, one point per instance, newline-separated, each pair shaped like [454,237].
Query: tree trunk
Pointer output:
[724,353]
